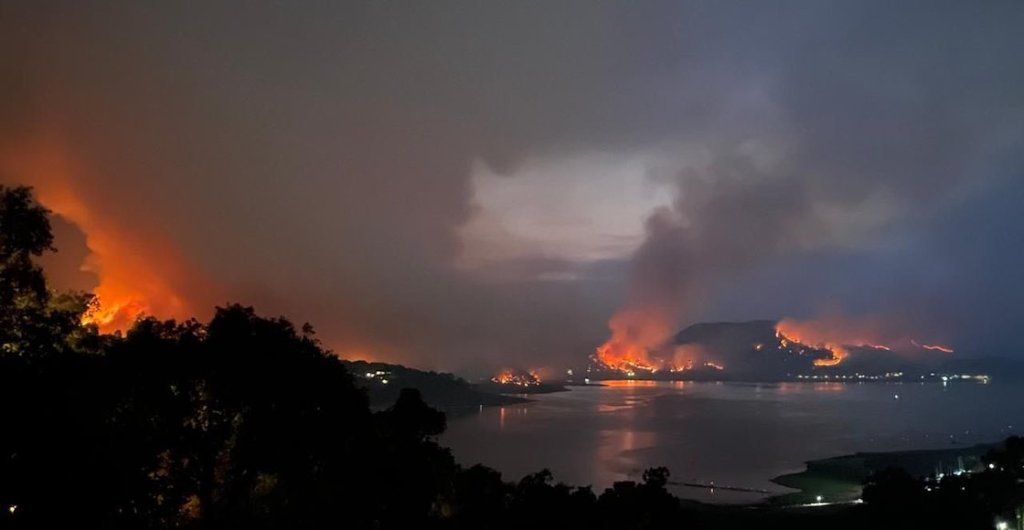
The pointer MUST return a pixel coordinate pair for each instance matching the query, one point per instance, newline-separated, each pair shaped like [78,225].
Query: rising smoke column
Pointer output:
[139,272]
[728,215]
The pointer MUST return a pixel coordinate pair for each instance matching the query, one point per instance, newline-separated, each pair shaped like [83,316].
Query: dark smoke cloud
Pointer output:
[316,160]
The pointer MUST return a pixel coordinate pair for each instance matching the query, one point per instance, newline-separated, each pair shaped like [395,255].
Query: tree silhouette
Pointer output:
[33,321]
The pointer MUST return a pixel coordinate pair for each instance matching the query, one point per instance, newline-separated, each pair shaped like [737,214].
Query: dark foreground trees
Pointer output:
[989,497]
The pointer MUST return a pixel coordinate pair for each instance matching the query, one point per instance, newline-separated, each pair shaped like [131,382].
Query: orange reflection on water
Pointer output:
[620,383]
[794,388]
[509,414]
[616,457]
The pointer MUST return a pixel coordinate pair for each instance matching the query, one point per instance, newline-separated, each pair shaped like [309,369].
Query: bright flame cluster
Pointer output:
[139,269]
[517,378]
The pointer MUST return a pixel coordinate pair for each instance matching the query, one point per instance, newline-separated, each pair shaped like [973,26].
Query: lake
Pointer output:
[734,434]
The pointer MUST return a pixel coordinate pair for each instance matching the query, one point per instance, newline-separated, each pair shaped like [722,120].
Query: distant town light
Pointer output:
[819,498]
[12,508]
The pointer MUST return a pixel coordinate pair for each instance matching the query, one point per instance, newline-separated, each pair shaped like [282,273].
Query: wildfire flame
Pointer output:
[517,378]
[138,270]
[640,344]
[116,316]
[635,334]
[837,336]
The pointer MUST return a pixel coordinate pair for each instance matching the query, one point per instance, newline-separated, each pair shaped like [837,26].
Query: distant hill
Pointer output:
[728,334]
[746,350]
[443,391]
[752,351]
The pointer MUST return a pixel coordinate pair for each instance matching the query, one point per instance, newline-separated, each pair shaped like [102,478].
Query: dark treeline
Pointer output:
[247,422]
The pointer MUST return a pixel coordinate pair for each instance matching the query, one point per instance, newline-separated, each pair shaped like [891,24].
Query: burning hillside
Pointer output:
[762,350]
[516,378]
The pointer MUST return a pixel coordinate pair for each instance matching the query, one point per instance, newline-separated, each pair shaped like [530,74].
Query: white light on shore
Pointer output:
[12,508]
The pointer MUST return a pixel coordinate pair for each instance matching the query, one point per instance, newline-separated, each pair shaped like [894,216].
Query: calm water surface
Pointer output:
[735,434]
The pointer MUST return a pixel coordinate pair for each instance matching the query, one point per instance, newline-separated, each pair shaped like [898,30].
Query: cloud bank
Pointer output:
[351,165]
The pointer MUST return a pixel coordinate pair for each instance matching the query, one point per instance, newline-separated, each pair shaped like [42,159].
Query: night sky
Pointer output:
[471,185]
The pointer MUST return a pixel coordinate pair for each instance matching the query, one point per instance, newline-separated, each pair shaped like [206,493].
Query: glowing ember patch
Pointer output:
[838,355]
[839,336]
[789,332]
[934,347]
[517,378]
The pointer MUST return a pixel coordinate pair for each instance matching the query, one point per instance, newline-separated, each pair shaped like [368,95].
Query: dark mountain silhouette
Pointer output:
[747,350]
[752,351]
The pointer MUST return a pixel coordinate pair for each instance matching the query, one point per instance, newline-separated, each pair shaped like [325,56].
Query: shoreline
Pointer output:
[839,479]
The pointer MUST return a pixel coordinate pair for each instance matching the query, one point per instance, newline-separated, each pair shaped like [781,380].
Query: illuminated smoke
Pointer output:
[139,271]
[636,334]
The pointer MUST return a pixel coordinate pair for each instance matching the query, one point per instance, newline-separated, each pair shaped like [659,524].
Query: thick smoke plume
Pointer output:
[316,162]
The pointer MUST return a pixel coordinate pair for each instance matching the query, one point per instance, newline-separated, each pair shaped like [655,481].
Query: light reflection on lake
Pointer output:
[739,434]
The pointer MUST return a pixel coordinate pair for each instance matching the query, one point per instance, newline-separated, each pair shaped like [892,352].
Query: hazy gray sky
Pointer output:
[464,185]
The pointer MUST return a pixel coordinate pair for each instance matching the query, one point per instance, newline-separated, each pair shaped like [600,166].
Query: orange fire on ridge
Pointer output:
[837,336]
[827,337]
[934,347]
[138,272]
[640,342]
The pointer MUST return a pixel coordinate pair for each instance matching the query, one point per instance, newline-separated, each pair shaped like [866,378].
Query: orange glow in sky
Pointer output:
[137,270]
